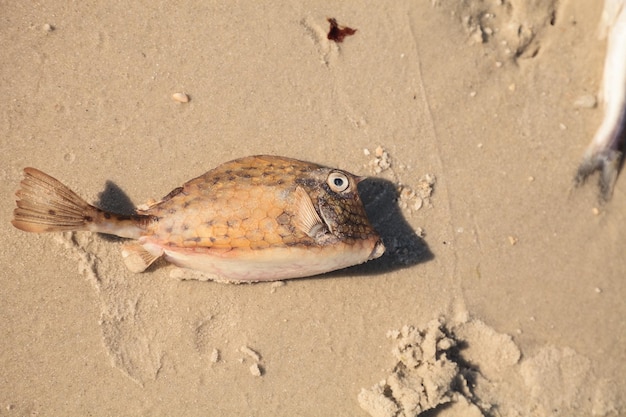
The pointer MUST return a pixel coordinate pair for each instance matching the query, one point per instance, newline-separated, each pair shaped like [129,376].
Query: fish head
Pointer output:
[341,215]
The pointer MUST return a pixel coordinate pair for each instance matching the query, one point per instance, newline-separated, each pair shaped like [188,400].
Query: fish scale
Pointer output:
[256,218]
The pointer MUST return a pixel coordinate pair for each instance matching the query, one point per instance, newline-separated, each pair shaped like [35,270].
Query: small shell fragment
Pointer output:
[275,285]
[250,352]
[588,101]
[180,97]
[256,370]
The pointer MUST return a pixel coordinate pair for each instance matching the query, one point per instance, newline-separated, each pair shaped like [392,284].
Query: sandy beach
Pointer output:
[502,292]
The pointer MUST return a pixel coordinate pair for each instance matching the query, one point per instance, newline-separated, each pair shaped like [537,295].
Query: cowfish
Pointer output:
[257,218]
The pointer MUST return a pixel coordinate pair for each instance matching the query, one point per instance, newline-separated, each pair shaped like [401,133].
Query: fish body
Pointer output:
[258,218]
[603,153]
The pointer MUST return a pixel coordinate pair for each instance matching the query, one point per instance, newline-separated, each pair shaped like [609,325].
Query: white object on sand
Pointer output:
[603,153]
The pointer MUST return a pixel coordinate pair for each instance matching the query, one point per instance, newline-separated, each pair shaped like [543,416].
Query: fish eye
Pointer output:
[338,182]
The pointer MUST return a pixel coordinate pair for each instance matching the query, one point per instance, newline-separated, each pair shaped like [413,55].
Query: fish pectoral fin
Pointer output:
[306,218]
[136,258]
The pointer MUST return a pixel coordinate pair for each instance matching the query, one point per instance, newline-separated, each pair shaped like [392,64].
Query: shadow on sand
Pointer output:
[404,247]
[114,200]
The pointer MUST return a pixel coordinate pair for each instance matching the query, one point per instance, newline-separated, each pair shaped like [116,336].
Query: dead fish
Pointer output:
[603,153]
[258,218]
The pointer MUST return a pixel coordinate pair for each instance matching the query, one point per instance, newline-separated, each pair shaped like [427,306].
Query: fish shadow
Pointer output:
[113,199]
[403,247]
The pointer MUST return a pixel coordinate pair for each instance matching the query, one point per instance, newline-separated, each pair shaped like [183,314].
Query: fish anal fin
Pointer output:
[306,218]
[136,257]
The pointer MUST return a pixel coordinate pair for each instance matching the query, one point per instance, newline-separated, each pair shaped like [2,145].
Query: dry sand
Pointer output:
[512,303]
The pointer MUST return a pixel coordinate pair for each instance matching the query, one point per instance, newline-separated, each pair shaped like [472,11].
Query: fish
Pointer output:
[257,218]
[603,153]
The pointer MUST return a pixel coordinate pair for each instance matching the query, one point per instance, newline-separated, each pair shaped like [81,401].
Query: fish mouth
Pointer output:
[378,250]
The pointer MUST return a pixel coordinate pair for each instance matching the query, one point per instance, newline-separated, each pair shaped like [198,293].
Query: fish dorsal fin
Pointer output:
[136,258]
[306,218]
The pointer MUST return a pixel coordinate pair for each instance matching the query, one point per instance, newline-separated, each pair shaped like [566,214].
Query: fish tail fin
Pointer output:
[46,205]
